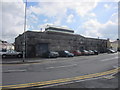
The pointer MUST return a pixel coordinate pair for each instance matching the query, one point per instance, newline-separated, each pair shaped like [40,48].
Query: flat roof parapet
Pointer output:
[58,29]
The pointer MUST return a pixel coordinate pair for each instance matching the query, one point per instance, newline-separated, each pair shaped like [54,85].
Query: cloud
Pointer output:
[45,20]
[57,22]
[93,28]
[55,8]
[58,10]
[70,18]
[92,14]
[32,18]
[83,8]
[12,20]
[106,6]
[72,0]
[114,18]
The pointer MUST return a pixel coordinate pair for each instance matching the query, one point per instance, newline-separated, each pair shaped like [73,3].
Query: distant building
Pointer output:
[115,45]
[57,39]
[4,45]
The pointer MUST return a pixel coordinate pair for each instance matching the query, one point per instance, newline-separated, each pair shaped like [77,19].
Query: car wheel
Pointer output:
[19,55]
[66,55]
[3,56]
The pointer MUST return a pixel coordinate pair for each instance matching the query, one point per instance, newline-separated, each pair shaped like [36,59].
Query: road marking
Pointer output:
[116,66]
[45,83]
[109,77]
[15,71]
[68,82]
[113,54]
[61,66]
[109,59]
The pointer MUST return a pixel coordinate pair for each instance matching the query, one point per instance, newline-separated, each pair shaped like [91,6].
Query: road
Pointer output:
[110,82]
[57,68]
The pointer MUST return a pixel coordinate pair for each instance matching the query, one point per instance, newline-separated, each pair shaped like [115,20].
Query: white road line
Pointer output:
[109,59]
[16,70]
[113,54]
[61,66]
[116,66]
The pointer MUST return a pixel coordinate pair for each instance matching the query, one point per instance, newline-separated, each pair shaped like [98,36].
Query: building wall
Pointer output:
[56,42]
[96,44]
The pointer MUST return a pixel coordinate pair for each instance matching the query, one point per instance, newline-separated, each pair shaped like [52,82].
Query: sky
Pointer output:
[91,18]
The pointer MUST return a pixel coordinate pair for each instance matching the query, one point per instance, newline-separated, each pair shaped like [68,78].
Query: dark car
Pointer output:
[65,54]
[76,53]
[118,49]
[11,53]
[50,54]
[84,52]
[95,52]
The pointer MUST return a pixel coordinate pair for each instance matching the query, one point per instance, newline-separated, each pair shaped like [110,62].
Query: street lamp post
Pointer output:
[24,41]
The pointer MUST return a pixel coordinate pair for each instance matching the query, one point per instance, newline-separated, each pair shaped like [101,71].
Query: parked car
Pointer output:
[77,53]
[95,52]
[11,53]
[118,49]
[50,54]
[65,54]
[91,52]
[84,52]
[111,51]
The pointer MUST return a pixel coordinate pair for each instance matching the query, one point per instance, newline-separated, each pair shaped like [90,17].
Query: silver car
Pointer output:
[91,52]
[10,53]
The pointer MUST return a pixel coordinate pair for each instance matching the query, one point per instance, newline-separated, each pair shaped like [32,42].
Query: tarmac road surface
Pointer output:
[67,69]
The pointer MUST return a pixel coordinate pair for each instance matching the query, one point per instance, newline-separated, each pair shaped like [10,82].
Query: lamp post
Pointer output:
[24,41]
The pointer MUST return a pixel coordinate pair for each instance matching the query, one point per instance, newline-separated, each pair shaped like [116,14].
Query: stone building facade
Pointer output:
[98,44]
[39,42]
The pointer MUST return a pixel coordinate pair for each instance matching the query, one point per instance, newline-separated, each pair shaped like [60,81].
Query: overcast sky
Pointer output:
[95,18]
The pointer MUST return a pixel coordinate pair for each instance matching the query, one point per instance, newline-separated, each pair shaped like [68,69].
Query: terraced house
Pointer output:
[56,39]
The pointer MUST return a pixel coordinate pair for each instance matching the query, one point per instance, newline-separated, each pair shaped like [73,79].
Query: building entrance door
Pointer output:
[41,48]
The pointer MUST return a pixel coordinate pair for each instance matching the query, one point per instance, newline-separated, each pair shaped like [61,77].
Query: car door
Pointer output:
[11,53]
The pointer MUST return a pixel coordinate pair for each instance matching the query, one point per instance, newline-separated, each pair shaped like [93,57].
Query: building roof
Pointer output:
[58,29]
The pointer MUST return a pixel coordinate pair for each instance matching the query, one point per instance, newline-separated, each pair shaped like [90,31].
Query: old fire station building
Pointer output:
[57,39]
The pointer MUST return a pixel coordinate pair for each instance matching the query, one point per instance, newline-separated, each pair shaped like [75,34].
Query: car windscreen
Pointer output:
[66,51]
[112,50]
[85,51]
[78,51]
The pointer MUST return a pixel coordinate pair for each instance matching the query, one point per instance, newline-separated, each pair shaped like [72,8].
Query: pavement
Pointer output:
[41,73]
[21,60]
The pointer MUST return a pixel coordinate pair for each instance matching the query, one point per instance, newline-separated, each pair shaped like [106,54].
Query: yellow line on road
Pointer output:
[61,80]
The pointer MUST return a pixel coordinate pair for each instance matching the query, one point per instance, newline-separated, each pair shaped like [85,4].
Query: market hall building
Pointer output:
[56,39]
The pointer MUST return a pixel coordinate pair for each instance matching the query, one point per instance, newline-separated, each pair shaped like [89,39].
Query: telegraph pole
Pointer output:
[24,41]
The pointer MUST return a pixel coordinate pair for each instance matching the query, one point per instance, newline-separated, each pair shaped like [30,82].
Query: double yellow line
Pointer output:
[44,83]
